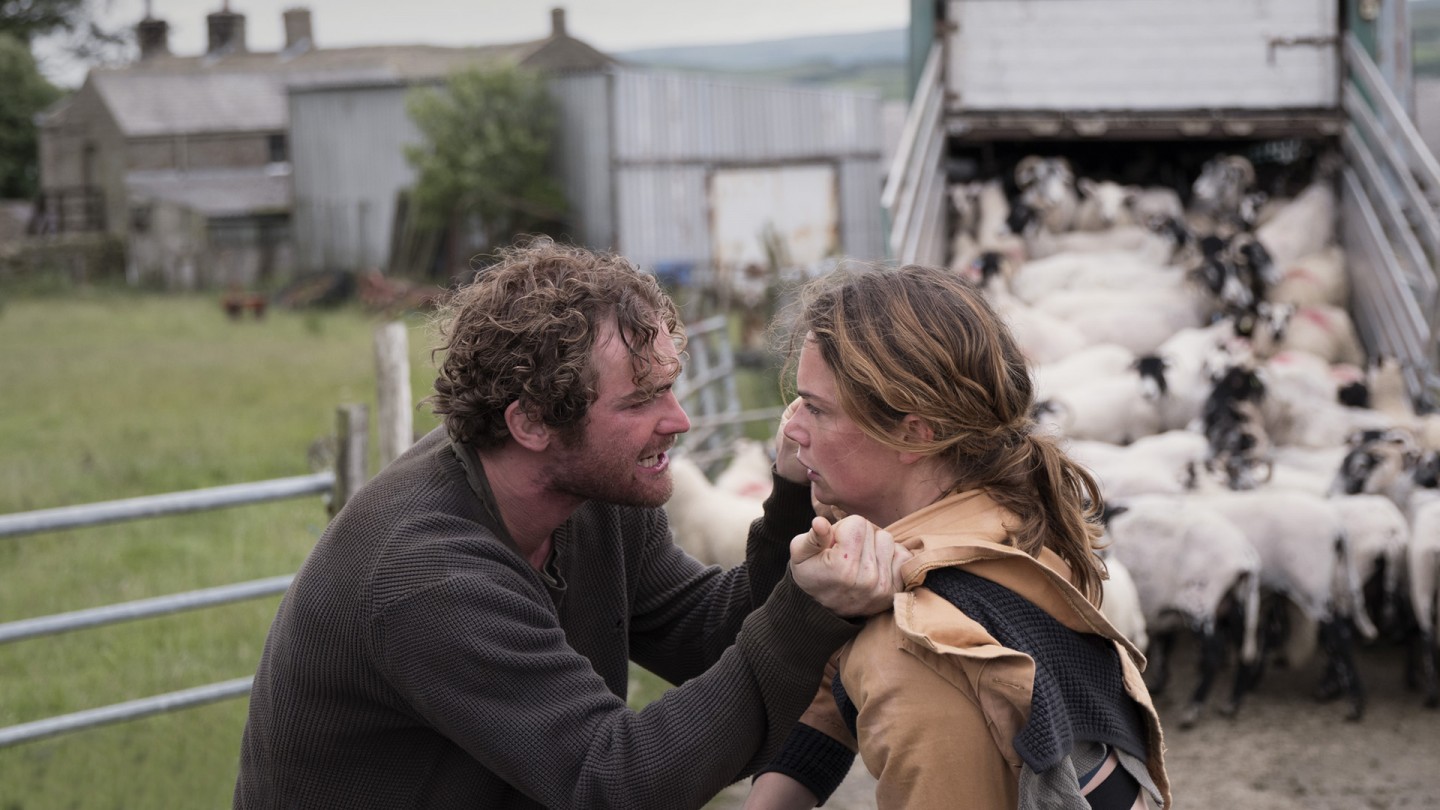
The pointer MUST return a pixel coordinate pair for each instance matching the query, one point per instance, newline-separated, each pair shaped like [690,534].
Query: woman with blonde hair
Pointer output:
[995,682]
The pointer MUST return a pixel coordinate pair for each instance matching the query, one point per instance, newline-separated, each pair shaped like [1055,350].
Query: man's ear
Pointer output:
[527,431]
[915,430]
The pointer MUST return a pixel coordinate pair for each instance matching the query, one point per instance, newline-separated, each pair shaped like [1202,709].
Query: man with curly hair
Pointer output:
[460,635]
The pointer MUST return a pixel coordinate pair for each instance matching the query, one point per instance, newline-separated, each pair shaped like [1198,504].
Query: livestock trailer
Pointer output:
[1145,90]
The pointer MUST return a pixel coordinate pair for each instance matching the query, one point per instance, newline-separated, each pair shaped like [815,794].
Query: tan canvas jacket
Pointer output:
[939,699]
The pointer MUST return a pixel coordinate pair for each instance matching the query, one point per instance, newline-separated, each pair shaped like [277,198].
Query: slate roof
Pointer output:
[246,91]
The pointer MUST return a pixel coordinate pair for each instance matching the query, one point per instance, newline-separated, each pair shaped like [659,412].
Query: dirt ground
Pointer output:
[1283,751]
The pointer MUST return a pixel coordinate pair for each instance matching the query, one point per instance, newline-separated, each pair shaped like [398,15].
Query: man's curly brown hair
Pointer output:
[523,331]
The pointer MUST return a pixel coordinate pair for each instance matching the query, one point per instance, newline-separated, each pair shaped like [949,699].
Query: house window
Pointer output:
[279,149]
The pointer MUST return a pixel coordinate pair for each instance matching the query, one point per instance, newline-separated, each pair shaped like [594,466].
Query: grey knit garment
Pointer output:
[418,660]
[1079,690]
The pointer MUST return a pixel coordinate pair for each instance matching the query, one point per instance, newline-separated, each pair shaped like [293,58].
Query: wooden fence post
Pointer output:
[352,455]
[392,384]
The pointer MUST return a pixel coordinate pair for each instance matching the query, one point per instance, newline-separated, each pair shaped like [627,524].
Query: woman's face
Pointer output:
[847,468]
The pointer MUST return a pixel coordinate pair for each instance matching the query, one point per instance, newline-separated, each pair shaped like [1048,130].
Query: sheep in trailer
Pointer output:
[1047,185]
[1193,571]
[1103,204]
[1036,279]
[1302,227]
[1139,320]
[1314,279]
[1322,330]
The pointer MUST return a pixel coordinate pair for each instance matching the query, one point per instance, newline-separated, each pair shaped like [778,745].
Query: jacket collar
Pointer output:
[970,530]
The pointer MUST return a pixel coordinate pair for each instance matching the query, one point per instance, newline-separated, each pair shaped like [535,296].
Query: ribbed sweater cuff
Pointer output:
[787,510]
[815,760]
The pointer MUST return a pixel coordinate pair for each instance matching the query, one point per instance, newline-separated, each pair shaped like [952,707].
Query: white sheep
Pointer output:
[1139,320]
[1047,185]
[709,523]
[1192,569]
[1036,279]
[1379,537]
[1305,556]
[1153,206]
[1121,603]
[1322,330]
[1084,366]
[1423,574]
[1302,227]
[1103,204]
[1109,410]
[1317,278]
[748,472]
[1042,338]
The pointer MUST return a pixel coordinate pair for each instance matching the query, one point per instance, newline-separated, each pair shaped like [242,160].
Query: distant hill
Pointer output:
[873,61]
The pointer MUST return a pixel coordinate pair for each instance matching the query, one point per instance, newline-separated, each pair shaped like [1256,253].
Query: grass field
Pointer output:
[108,395]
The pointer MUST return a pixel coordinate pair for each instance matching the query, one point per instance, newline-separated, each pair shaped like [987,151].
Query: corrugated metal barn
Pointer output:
[679,172]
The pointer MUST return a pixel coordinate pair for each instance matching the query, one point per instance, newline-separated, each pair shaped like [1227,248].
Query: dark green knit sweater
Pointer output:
[419,661]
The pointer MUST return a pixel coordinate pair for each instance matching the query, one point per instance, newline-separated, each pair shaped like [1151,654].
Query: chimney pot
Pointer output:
[226,31]
[153,36]
[557,22]
[299,33]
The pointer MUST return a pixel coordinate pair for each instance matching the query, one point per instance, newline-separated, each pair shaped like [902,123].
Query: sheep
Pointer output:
[1047,185]
[1314,279]
[1182,371]
[1042,338]
[1151,465]
[1306,557]
[1086,365]
[1121,603]
[1220,191]
[710,524]
[1423,568]
[1110,410]
[1391,464]
[1303,226]
[1139,320]
[748,472]
[1379,537]
[1301,407]
[1116,270]
[1157,246]
[1322,330]
[1193,570]
[1423,574]
[1103,204]
[1155,206]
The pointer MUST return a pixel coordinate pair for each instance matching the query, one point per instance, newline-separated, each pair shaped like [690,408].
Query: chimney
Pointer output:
[557,22]
[153,36]
[298,34]
[227,31]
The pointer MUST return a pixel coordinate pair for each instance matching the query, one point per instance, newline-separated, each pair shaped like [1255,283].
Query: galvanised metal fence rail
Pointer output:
[337,486]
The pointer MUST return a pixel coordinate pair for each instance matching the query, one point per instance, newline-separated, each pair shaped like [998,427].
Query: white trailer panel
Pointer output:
[1145,55]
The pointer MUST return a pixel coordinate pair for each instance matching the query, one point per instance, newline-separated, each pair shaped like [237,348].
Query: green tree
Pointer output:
[488,150]
[25,94]
[71,22]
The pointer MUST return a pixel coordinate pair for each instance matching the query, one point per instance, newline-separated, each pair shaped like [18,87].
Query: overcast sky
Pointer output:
[610,25]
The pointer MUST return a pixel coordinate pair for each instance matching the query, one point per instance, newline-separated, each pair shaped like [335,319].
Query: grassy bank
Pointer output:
[114,395]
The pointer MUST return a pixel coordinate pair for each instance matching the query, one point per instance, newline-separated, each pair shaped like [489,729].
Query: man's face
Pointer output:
[620,454]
